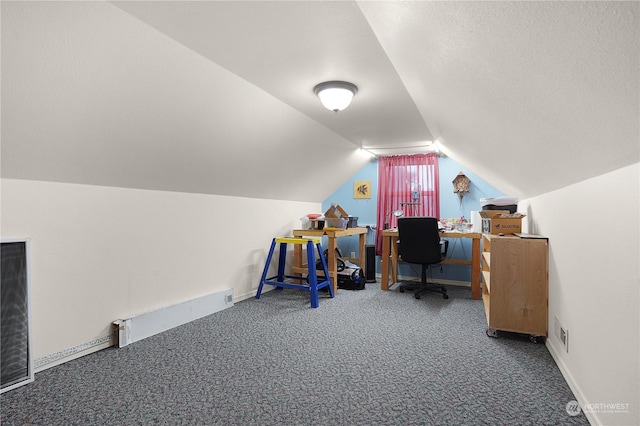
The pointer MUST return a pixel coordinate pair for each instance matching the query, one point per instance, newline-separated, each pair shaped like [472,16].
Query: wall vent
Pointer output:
[16,358]
[562,334]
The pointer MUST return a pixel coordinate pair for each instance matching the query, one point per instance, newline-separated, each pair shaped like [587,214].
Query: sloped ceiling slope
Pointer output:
[533,96]
[91,95]
[216,97]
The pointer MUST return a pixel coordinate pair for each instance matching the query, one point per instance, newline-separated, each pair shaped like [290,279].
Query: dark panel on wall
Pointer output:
[15,365]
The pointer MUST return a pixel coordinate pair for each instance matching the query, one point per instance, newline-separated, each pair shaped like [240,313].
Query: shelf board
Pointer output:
[486,258]
[486,299]
[486,280]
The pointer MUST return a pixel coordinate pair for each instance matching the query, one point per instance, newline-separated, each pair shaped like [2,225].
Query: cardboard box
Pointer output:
[337,212]
[501,221]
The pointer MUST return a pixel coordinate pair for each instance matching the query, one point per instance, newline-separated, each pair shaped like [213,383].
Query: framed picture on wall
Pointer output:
[361,189]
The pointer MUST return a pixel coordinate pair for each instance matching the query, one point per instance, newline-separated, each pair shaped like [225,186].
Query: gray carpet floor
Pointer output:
[364,358]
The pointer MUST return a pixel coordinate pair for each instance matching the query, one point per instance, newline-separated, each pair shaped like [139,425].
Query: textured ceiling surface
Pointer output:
[207,96]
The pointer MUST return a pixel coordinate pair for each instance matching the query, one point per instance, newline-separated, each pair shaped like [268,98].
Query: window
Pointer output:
[408,183]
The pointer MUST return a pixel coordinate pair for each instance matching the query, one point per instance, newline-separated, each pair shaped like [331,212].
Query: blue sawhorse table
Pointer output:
[282,280]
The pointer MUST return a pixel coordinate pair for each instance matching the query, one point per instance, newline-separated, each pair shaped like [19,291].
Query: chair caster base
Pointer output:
[443,292]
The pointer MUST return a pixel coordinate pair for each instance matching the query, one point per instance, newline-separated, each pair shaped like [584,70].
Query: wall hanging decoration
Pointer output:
[361,189]
[461,185]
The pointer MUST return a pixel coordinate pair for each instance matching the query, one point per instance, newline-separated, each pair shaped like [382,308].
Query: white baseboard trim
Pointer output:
[573,385]
[70,354]
[145,326]
[249,295]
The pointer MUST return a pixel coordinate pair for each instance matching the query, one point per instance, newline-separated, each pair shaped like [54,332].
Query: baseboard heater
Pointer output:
[139,327]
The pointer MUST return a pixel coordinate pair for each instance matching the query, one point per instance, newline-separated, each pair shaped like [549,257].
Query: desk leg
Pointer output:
[332,264]
[475,269]
[385,263]
[394,259]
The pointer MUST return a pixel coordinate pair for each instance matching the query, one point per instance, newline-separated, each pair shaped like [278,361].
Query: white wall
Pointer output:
[593,288]
[104,253]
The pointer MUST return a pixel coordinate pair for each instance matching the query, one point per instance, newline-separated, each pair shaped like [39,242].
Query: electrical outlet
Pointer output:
[353,254]
[562,334]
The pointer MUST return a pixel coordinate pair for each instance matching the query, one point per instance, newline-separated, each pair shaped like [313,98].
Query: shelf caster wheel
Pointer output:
[417,296]
[445,296]
[492,333]
[536,339]
[401,290]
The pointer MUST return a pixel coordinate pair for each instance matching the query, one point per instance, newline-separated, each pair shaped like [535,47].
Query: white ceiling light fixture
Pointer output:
[335,95]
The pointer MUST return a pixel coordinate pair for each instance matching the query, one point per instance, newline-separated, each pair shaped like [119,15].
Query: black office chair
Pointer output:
[419,243]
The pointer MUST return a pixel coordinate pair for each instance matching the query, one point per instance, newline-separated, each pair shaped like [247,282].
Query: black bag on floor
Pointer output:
[350,275]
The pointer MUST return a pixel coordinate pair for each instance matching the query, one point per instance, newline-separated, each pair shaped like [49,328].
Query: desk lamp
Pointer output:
[396,213]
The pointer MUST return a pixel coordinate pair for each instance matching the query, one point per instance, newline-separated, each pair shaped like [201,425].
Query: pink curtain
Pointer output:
[409,183]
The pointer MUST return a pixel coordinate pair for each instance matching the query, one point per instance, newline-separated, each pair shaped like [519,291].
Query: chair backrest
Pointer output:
[419,240]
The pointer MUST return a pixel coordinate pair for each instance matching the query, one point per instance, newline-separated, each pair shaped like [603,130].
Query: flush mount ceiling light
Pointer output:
[335,95]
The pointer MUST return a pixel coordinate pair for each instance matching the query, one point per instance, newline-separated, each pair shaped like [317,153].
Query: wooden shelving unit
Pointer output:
[515,282]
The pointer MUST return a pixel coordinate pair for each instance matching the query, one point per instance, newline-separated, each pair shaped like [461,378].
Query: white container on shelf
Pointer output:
[476,221]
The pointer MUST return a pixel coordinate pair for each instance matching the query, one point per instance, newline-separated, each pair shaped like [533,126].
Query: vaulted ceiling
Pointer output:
[217,97]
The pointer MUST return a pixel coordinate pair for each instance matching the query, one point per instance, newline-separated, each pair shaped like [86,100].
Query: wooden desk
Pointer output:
[390,252]
[333,235]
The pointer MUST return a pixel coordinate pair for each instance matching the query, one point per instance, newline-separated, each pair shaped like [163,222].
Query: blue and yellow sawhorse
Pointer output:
[280,280]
